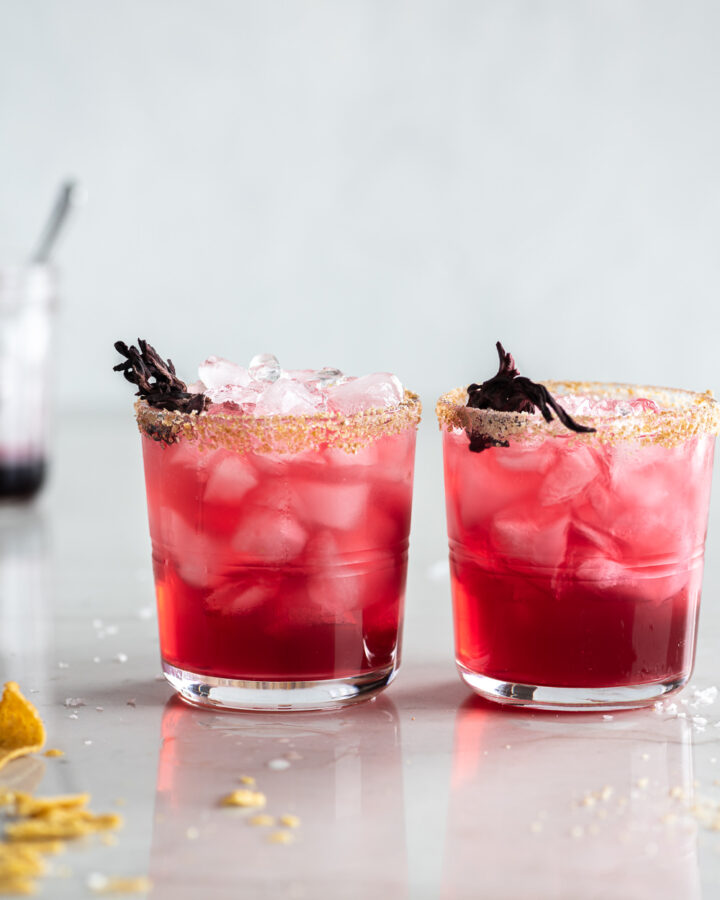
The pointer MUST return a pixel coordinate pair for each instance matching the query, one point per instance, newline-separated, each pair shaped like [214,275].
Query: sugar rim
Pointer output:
[683,415]
[280,433]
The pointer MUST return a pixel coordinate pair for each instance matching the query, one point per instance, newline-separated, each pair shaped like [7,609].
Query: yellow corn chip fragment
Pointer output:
[48,848]
[59,824]
[262,820]
[7,798]
[21,728]
[114,885]
[290,821]
[28,806]
[248,780]
[244,797]
[281,837]
[18,862]
[13,887]
[53,751]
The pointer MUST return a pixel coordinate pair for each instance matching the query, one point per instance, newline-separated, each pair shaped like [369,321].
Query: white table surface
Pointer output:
[425,792]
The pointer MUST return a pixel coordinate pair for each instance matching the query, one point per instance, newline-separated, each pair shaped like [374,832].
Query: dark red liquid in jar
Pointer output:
[575,564]
[280,567]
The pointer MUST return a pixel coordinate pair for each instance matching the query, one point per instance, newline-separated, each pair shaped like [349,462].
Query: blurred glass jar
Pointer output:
[28,298]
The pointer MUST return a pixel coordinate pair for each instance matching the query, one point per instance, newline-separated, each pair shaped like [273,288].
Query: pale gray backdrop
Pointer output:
[375,184]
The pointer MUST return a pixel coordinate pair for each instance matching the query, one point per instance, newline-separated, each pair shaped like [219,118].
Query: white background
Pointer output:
[373,185]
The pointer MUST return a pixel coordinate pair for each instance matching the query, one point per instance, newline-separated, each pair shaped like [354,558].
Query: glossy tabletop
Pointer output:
[423,792]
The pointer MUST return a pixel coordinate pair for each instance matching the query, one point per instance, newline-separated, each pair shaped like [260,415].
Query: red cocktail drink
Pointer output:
[576,559]
[279,548]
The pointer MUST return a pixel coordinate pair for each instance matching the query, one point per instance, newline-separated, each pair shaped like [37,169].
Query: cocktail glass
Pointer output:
[576,559]
[280,552]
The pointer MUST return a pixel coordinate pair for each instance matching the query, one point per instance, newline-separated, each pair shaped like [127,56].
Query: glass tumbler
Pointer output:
[28,296]
[280,552]
[576,559]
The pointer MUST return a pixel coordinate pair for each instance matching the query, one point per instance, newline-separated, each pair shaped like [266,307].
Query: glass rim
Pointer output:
[683,414]
[245,433]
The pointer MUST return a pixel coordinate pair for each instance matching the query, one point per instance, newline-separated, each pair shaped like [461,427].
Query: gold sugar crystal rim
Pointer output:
[682,415]
[281,433]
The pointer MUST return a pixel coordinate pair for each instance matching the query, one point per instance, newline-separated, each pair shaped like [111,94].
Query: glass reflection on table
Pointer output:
[340,773]
[24,584]
[569,806]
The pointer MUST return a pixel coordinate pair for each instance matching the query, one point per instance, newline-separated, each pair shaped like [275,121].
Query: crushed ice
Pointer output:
[264,388]
[583,405]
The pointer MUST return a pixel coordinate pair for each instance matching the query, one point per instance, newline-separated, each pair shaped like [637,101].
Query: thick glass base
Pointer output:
[276,696]
[569,699]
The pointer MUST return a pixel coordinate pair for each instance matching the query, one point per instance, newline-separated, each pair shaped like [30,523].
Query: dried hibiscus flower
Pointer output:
[508,391]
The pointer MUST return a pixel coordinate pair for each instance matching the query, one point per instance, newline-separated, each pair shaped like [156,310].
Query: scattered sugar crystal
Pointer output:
[278,764]
[74,701]
[700,721]
[73,716]
[217,372]
[87,743]
[608,718]
[121,657]
[97,882]
[264,367]
[706,696]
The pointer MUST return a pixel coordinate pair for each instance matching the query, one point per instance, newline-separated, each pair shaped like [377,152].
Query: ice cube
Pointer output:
[328,376]
[243,397]
[239,597]
[264,367]
[217,372]
[198,558]
[268,534]
[574,469]
[230,478]
[535,538]
[287,397]
[331,504]
[379,390]
[584,405]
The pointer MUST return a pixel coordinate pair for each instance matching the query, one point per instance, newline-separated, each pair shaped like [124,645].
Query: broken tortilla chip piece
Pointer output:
[17,886]
[59,824]
[21,728]
[28,806]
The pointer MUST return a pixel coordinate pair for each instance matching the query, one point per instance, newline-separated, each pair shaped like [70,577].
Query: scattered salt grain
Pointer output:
[87,743]
[608,718]
[278,764]
[73,716]
[100,708]
[121,657]
[74,701]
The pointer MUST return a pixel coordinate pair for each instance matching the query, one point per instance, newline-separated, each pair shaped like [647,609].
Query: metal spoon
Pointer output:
[66,199]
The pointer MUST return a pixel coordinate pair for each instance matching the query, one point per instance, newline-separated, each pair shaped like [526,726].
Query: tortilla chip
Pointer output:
[27,805]
[59,824]
[13,887]
[21,728]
